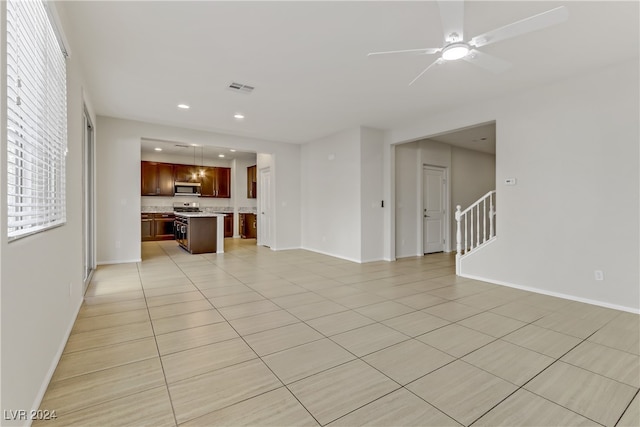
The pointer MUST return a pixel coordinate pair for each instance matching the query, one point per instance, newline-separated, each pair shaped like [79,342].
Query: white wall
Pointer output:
[407,200]
[573,146]
[371,195]
[41,275]
[118,183]
[473,174]
[331,195]
[342,190]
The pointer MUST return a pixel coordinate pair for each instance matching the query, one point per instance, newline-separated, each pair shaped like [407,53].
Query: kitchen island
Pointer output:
[200,232]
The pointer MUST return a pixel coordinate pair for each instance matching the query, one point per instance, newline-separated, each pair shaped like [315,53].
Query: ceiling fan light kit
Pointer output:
[452,18]
[455,51]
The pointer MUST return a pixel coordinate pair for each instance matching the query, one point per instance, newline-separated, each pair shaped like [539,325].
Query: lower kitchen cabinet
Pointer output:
[228,225]
[248,226]
[157,226]
[147,228]
[163,223]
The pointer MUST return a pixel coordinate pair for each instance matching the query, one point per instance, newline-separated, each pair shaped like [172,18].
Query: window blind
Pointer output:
[36,121]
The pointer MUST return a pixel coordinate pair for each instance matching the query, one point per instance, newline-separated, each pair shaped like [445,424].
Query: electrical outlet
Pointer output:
[117,244]
[598,275]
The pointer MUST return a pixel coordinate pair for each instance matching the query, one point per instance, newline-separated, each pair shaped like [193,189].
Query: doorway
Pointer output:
[434,209]
[88,200]
[264,208]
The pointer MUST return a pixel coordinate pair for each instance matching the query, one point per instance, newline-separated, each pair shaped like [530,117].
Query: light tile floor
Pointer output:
[294,338]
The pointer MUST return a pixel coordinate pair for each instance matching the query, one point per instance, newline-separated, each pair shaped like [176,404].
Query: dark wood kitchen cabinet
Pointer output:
[248,226]
[216,182]
[163,224]
[228,225]
[184,173]
[157,226]
[147,228]
[156,179]
[252,181]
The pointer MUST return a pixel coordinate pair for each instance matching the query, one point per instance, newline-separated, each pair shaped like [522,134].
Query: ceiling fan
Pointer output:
[455,47]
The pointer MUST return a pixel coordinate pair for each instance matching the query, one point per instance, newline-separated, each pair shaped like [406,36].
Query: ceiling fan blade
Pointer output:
[488,62]
[428,50]
[436,62]
[452,18]
[532,23]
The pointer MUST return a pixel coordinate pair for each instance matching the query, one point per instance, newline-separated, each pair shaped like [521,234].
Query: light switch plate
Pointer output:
[510,181]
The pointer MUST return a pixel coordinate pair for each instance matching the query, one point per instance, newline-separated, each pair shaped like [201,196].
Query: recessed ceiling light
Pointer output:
[238,116]
[183,106]
[220,155]
[158,149]
[232,150]
[194,145]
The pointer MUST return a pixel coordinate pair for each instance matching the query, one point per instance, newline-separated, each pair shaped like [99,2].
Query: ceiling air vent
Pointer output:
[182,146]
[239,87]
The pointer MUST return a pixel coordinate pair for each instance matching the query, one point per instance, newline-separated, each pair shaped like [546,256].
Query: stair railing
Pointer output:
[475,226]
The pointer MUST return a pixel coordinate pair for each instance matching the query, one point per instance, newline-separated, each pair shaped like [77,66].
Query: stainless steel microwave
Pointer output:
[187,189]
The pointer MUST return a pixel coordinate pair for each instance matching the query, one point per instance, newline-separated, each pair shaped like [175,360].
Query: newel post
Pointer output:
[458,238]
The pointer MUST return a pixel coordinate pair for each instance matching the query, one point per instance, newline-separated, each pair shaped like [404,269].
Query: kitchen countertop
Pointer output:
[198,214]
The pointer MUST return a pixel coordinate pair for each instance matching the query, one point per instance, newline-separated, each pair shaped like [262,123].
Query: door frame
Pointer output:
[88,200]
[263,195]
[447,210]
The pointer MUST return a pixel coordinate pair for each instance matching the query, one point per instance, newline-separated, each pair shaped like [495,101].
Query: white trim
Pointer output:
[446,246]
[54,362]
[554,294]
[372,260]
[332,255]
[292,248]
[54,17]
[116,261]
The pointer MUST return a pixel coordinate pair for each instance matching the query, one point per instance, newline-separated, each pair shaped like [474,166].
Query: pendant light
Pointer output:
[202,161]
[193,175]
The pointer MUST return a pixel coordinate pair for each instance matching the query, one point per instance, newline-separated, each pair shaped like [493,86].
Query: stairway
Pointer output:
[475,226]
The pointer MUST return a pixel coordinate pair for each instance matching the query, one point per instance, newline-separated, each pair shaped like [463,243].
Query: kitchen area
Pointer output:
[197,195]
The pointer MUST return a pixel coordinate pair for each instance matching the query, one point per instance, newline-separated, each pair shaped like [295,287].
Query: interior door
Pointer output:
[434,190]
[264,208]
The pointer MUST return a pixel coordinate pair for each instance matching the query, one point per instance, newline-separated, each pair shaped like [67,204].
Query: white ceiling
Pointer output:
[308,60]
[181,149]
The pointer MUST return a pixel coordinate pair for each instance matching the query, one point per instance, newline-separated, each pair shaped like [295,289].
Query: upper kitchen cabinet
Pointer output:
[156,179]
[216,182]
[252,180]
[184,173]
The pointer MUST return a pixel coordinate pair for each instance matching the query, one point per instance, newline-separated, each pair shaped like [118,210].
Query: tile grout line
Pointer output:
[265,364]
[164,374]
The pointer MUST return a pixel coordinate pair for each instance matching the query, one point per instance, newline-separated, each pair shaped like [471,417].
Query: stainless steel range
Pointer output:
[181,224]
[186,207]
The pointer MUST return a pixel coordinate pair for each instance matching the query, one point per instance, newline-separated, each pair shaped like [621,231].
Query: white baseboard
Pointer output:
[554,294]
[118,261]
[332,255]
[372,260]
[54,362]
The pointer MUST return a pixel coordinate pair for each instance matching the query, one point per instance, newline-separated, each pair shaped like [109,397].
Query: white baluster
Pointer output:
[458,230]
[478,225]
[471,235]
[484,220]
[466,242]
[491,213]
[458,238]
